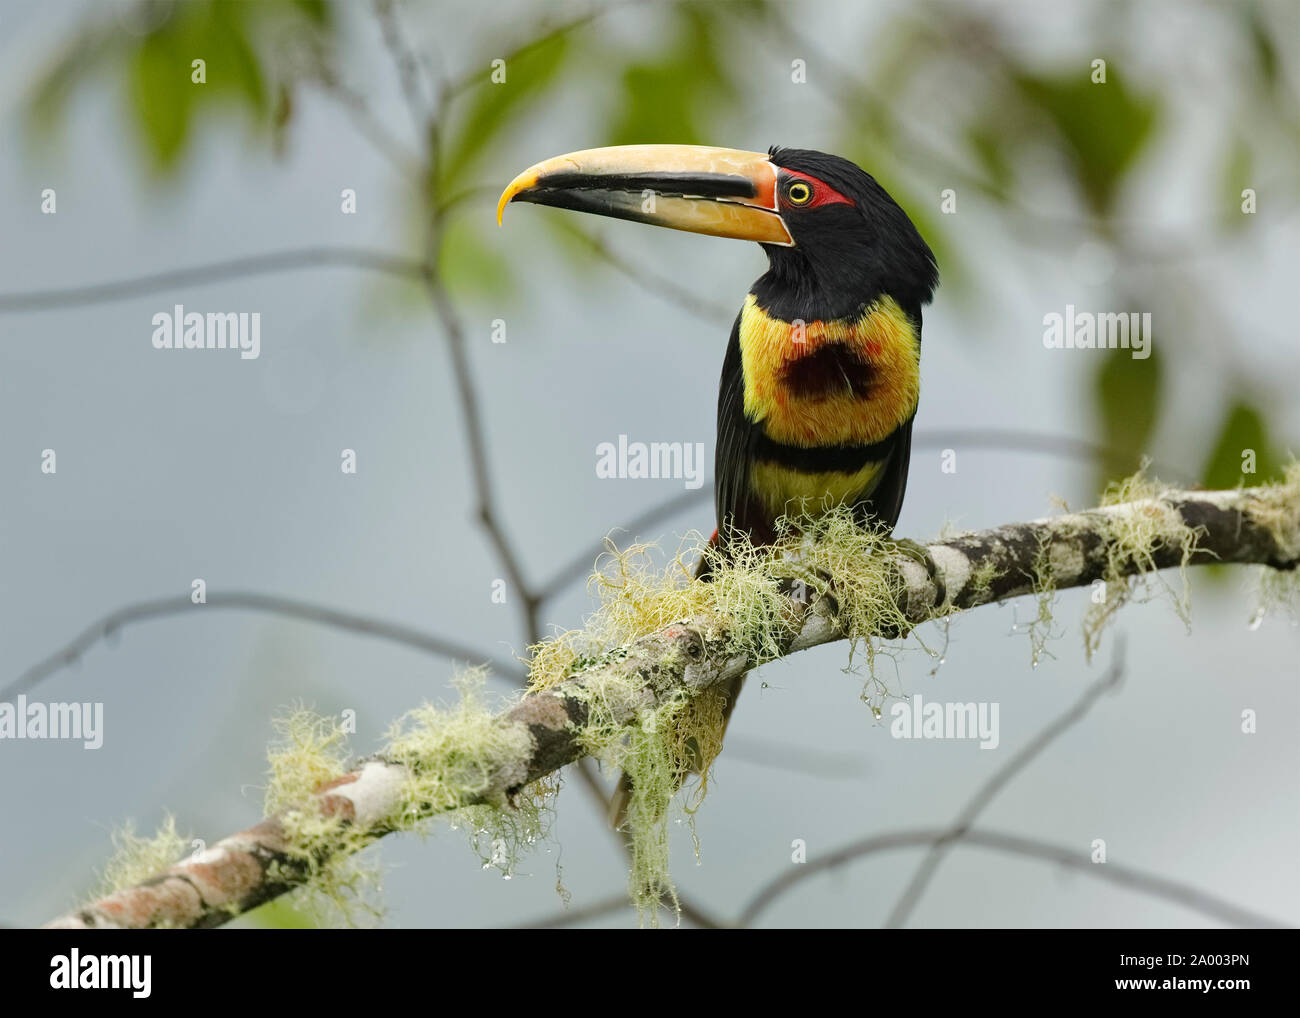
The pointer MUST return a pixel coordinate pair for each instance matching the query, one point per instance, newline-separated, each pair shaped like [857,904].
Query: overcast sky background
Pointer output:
[173,466]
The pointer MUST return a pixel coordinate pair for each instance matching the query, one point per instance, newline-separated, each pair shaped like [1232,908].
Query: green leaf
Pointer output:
[666,100]
[232,63]
[316,11]
[1243,431]
[1262,46]
[987,146]
[161,96]
[1128,395]
[279,915]
[1238,165]
[470,266]
[1104,126]
[529,76]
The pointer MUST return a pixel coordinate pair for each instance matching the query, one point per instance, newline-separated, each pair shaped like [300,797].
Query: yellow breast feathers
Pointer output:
[845,382]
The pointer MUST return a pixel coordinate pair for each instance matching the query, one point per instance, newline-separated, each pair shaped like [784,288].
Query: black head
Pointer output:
[852,242]
[834,238]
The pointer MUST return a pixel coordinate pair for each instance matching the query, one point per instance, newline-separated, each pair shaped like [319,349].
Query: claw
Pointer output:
[921,554]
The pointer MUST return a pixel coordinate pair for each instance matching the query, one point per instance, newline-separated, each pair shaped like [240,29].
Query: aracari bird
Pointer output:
[821,377]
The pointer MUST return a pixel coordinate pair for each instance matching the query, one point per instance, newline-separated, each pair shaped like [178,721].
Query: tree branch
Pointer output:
[1001,778]
[161,607]
[1151,884]
[214,272]
[547,730]
[1014,844]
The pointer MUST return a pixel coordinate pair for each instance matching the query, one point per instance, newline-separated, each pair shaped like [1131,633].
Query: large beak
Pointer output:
[717,191]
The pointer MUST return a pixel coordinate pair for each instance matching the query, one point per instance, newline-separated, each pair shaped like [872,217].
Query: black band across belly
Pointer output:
[820,459]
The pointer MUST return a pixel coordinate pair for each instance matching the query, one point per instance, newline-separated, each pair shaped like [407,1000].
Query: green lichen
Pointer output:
[449,756]
[1277,509]
[751,589]
[1131,540]
[310,750]
[1042,627]
[136,858]
[983,577]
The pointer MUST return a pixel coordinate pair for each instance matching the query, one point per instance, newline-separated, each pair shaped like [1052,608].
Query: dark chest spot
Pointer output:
[834,369]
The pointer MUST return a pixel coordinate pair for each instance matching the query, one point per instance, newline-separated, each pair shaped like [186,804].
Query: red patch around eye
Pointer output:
[823,193]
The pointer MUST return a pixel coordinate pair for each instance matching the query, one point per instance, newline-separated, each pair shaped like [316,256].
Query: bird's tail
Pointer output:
[623,793]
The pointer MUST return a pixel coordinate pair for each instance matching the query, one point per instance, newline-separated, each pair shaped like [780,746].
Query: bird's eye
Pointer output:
[798,192]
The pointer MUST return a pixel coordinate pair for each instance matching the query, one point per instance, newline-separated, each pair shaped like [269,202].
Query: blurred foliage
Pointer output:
[162,94]
[494,106]
[932,96]
[1243,429]
[153,46]
[1129,393]
[280,914]
[470,264]
[1103,128]
[669,97]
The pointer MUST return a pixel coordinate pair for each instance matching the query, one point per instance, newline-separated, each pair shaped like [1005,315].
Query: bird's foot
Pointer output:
[921,554]
[816,583]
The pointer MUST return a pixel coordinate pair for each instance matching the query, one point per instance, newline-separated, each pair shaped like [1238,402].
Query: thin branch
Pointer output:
[608,906]
[1063,446]
[142,611]
[654,283]
[795,757]
[580,566]
[472,425]
[404,60]
[546,730]
[1112,872]
[573,916]
[476,451]
[907,901]
[461,85]
[321,73]
[214,272]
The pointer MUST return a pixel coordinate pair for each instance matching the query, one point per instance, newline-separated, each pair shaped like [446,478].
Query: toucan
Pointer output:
[821,377]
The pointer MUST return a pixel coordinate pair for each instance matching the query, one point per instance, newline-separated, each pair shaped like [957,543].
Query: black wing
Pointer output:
[884,503]
[733,499]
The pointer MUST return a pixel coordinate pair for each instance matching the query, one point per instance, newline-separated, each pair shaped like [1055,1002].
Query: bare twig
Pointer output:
[404,60]
[142,611]
[1113,872]
[1001,778]
[585,913]
[403,160]
[460,85]
[608,906]
[213,272]
[655,283]
[477,450]
[791,756]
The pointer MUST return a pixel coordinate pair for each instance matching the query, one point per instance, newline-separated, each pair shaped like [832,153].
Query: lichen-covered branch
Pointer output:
[837,582]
